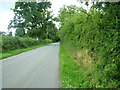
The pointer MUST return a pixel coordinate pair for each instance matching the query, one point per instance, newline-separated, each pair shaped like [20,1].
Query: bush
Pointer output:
[11,43]
[94,38]
[45,41]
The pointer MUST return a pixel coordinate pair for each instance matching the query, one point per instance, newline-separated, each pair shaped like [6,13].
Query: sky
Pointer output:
[6,14]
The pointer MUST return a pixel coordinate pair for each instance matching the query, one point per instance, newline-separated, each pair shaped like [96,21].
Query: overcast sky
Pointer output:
[6,14]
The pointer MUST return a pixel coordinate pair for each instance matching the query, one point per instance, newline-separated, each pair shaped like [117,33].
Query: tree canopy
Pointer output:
[33,19]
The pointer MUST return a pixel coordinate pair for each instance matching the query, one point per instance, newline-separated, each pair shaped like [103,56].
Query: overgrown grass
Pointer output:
[18,51]
[69,72]
[78,70]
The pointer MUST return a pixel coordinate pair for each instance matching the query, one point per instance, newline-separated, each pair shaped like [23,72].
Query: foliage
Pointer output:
[34,20]
[18,51]
[2,33]
[11,43]
[94,33]
[69,72]
[75,74]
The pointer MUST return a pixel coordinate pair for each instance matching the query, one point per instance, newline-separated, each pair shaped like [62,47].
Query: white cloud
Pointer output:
[57,4]
[8,1]
[5,18]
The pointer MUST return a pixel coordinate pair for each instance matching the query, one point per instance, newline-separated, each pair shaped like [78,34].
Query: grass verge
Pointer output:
[18,51]
[80,73]
[69,72]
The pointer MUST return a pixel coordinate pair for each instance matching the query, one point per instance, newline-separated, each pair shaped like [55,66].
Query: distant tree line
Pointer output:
[2,33]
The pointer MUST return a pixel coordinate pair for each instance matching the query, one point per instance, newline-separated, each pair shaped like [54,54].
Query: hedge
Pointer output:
[8,43]
[96,34]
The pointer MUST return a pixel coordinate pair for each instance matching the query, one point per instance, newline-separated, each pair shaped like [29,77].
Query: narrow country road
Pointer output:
[38,68]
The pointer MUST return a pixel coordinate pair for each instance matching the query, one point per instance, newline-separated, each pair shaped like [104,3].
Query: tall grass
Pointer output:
[78,70]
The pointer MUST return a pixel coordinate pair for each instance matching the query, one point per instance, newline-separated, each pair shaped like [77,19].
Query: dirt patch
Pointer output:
[83,57]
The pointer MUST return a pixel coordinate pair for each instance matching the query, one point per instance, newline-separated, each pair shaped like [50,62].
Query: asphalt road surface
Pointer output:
[38,68]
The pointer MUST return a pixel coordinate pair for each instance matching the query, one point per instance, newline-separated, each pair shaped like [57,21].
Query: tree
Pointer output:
[20,32]
[10,34]
[33,18]
[2,33]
